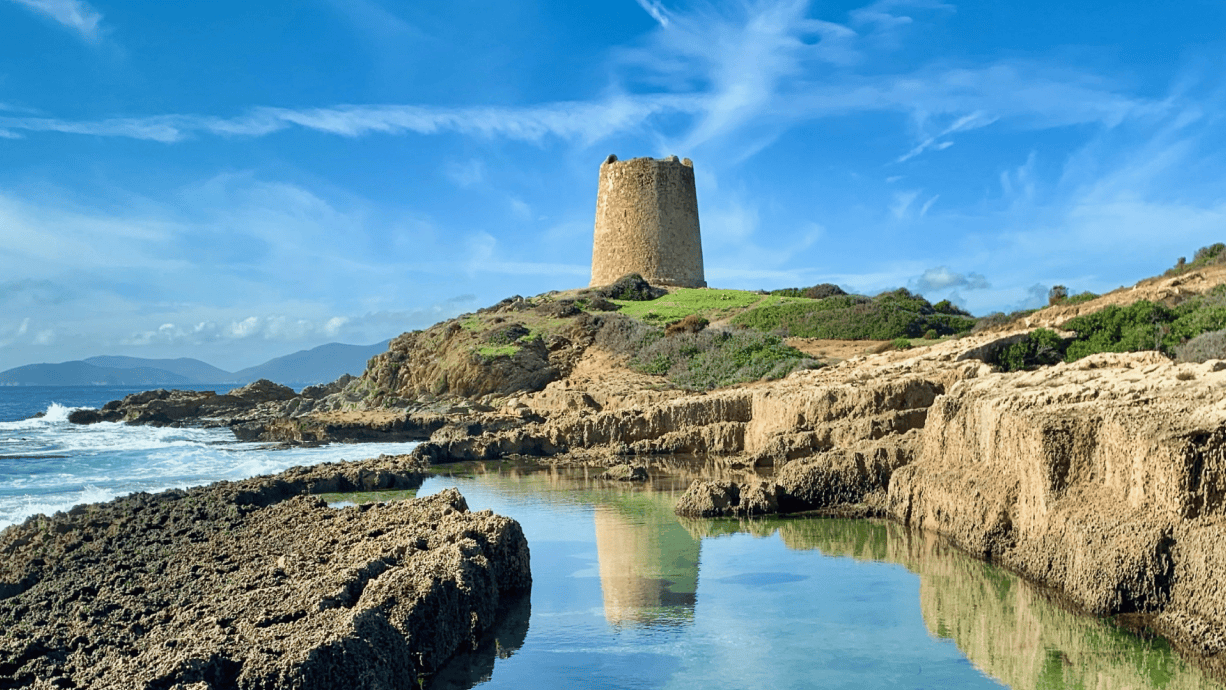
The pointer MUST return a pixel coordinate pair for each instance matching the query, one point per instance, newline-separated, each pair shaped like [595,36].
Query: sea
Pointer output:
[626,595]
[48,464]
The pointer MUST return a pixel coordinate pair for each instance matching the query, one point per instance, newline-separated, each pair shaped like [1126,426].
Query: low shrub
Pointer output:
[620,335]
[711,358]
[717,358]
[1081,297]
[507,335]
[901,344]
[690,324]
[890,315]
[1205,256]
[1202,348]
[821,291]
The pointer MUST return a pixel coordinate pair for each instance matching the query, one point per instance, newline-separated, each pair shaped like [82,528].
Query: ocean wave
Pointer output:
[120,466]
[54,414]
[15,509]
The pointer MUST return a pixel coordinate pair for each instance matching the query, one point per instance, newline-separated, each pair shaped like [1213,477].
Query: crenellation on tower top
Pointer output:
[647,222]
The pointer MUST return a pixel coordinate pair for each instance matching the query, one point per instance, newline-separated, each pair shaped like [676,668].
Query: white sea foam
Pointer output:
[65,467]
[14,509]
[55,414]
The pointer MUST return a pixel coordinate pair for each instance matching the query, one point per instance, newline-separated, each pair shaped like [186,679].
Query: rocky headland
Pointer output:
[256,584]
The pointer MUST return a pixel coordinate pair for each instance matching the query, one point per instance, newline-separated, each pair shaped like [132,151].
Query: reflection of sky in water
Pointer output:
[620,601]
[627,596]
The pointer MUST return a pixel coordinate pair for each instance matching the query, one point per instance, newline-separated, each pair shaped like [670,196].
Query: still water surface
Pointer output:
[627,595]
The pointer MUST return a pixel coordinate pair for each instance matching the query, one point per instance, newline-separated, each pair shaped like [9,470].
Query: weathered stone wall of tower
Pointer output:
[647,223]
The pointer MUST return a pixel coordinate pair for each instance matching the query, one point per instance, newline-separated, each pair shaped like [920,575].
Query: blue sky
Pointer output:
[235,181]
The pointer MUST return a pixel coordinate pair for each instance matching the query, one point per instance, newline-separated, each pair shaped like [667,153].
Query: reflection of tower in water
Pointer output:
[648,566]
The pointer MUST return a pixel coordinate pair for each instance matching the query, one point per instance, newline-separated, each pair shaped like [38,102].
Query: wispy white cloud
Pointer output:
[583,121]
[655,9]
[902,202]
[74,14]
[733,76]
[928,204]
[971,121]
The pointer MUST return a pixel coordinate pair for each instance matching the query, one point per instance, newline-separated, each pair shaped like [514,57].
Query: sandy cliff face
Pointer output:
[1105,478]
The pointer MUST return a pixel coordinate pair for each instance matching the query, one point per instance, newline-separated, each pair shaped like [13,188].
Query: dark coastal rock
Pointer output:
[632,287]
[237,586]
[262,391]
[163,407]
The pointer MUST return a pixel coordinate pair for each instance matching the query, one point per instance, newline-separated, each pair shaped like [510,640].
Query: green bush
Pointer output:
[1147,326]
[890,315]
[1040,347]
[1139,326]
[947,307]
[816,292]
[901,344]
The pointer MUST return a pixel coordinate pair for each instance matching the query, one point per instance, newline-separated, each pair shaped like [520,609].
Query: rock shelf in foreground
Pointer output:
[240,585]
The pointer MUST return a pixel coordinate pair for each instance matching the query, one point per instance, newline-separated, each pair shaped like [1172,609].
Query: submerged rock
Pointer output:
[713,498]
[625,473]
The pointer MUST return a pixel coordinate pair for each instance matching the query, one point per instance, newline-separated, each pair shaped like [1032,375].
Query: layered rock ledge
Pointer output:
[255,584]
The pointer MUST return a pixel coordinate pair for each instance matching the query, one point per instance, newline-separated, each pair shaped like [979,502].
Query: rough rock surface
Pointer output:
[1105,478]
[229,586]
[171,407]
[625,473]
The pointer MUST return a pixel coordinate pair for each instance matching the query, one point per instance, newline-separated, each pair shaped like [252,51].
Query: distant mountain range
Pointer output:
[318,365]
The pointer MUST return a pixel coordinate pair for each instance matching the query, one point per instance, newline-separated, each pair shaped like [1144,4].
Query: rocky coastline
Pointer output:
[1103,480]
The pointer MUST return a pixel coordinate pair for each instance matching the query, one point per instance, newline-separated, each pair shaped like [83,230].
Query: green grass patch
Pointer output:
[492,351]
[680,303]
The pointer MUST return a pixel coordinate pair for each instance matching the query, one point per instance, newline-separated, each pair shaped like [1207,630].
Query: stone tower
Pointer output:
[647,223]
